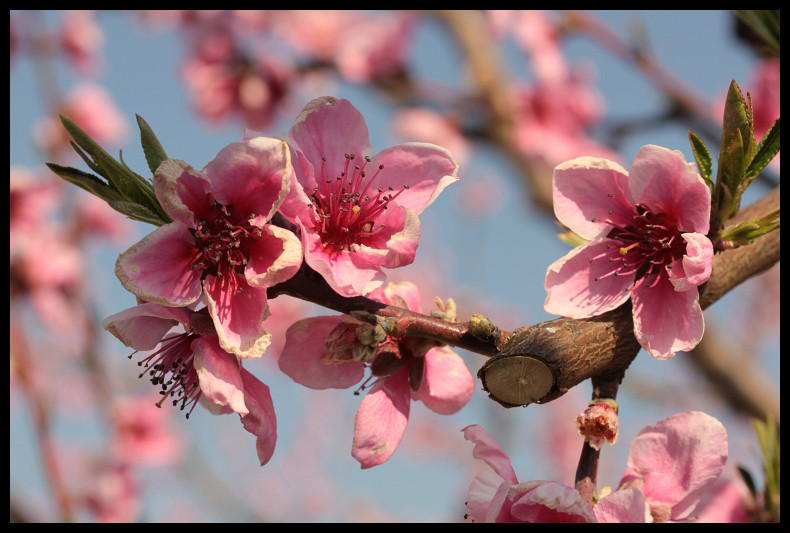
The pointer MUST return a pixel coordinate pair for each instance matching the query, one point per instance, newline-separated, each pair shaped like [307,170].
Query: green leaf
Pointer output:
[137,212]
[152,148]
[749,480]
[765,24]
[133,188]
[730,176]
[766,151]
[86,181]
[703,158]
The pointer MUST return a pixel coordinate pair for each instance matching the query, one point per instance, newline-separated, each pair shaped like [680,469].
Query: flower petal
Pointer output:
[274,257]
[330,128]
[581,196]
[622,506]
[696,266]
[253,176]
[181,190]
[381,420]
[426,169]
[488,450]
[447,385]
[549,501]
[343,270]
[261,420]
[664,182]
[301,357]
[572,289]
[678,458]
[665,320]
[157,269]
[143,326]
[218,372]
[238,311]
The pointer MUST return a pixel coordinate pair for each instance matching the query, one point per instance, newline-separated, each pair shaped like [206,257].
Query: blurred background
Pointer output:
[510,94]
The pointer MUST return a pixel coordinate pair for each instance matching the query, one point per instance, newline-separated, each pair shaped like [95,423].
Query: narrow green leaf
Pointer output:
[86,181]
[765,23]
[749,480]
[766,151]
[730,176]
[130,185]
[152,148]
[137,212]
[702,156]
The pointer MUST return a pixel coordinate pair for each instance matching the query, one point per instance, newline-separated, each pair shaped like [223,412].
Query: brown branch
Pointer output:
[539,363]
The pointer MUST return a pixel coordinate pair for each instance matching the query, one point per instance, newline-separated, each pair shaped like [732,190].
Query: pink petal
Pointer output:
[665,320]
[331,128]
[143,326]
[581,194]
[218,372]
[571,287]
[172,180]
[425,168]
[261,420]
[664,182]
[406,291]
[678,458]
[274,257]
[301,357]
[696,265]
[156,269]
[447,385]
[489,451]
[342,270]
[381,420]
[549,501]
[238,311]
[253,176]
[622,506]
[488,498]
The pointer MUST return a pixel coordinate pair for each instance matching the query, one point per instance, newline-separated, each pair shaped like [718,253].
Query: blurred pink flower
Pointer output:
[357,214]
[408,369]
[552,120]
[113,494]
[219,244]
[426,125]
[670,466]
[249,88]
[143,434]
[192,365]
[82,39]
[375,48]
[648,243]
[94,218]
[91,107]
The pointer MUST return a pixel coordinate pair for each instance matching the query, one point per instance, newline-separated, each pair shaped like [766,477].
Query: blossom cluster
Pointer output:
[343,212]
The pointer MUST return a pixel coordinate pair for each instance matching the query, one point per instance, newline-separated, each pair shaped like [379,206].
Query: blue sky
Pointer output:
[498,261]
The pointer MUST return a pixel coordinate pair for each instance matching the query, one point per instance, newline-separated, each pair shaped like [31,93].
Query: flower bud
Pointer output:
[598,423]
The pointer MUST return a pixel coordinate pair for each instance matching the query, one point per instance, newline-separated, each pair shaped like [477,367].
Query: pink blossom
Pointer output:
[408,369]
[93,108]
[191,365]
[671,464]
[357,213]
[675,461]
[82,39]
[113,495]
[219,244]
[647,233]
[143,434]
[377,47]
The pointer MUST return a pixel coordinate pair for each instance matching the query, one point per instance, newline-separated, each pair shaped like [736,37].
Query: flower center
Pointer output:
[650,244]
[345,207]
[171,369]
[219,242]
